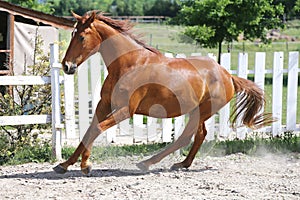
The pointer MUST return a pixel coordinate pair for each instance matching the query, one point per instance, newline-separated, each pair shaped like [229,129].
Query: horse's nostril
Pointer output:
[69,68]
[72,70]
[66,67]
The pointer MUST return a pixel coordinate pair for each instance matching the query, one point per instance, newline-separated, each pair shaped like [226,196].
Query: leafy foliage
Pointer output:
[43,6]
[27,153]
[131,7]
[297,7]
[27,100]
[163,8]
[289,7]
[211,22]
[115,7]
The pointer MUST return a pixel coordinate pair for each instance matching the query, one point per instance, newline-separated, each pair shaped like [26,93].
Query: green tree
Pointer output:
[163,8]
[289,5]
[116,7]
[42,6]
[129,7]
[297,7]
[64,8]
[211,22]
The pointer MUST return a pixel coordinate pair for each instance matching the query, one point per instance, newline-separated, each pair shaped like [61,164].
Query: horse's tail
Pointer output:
[250,101]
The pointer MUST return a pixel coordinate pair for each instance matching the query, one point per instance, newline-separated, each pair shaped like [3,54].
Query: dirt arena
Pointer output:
[235,176]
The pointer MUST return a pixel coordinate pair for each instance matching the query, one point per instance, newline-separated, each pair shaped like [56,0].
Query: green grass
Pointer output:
[26,154]
[105,152]
[288,142]
[164,38]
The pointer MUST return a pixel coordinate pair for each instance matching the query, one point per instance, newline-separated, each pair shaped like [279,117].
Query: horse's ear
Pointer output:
[77,17]
[91,18]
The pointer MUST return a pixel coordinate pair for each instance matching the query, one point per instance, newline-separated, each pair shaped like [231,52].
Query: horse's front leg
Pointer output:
[101,113]
[115,118]
[81,149]
[93,132]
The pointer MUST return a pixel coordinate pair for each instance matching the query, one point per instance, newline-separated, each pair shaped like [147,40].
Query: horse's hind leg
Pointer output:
[207,110]
[199,138]
[182,141]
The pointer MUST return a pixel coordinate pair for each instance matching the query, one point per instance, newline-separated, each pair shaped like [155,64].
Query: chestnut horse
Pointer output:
[141,80]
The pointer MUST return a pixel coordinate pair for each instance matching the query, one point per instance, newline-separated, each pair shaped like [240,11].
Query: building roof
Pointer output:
[58,22]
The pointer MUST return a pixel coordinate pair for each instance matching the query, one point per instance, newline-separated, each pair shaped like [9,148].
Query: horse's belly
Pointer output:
[165,106]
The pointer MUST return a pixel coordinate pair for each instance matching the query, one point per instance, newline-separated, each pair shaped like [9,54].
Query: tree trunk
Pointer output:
[220,51]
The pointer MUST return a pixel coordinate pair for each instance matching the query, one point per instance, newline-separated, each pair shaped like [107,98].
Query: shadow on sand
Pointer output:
[51,175]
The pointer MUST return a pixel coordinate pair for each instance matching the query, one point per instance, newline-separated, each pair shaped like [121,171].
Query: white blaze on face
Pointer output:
[74,32]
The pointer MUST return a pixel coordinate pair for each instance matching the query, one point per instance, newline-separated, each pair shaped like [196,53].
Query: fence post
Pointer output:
[277,92]
[259,75]
[260,65]
[83,99]
[96,84]
[151,129]
[291,109]
[242,72]
[224,126]
[69,107]
[56,119]
[138,127]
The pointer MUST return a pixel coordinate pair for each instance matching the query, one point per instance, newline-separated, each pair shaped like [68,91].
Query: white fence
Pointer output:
[55,117]
[147,129]
[24,119]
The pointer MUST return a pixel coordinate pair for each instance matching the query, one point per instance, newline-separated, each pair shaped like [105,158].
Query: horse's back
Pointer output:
[218,80]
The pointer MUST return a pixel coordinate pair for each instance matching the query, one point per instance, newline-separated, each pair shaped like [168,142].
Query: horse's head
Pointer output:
[85,42]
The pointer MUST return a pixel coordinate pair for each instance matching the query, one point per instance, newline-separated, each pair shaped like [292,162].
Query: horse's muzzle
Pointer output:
[69,68]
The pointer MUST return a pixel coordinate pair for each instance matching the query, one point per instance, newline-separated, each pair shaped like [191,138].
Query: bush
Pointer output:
[20,142]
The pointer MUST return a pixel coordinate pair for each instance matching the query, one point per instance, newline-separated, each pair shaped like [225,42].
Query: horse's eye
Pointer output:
[81,38]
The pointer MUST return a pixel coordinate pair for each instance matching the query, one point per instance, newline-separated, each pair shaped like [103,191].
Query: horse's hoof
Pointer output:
[87,170]
[177,166]
[142,167]
[59,169]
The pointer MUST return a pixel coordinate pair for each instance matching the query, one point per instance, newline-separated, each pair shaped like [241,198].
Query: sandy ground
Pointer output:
[235,176]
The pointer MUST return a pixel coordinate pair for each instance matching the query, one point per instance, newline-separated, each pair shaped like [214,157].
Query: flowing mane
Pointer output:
[123,26]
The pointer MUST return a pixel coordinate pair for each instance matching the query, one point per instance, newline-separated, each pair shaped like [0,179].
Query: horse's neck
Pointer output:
[116,46]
